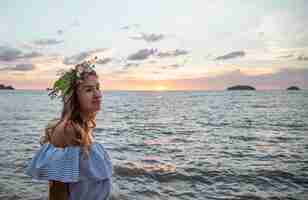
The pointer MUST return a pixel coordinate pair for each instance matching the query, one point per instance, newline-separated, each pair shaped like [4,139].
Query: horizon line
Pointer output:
[172,90]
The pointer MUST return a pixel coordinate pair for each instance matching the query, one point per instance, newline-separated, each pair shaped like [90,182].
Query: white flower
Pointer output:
[78,74]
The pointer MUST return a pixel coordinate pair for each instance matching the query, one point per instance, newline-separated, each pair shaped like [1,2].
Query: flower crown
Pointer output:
[65,84]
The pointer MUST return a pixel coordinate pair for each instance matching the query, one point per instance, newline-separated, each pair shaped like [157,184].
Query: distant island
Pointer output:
[3,87]
[293,88]
[241,87]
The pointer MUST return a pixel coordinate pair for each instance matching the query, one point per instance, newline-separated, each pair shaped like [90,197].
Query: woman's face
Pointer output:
[89,95]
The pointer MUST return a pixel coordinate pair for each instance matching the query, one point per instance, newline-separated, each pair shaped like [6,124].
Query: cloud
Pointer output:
[284,28]
[75,59]
[47,42]
[175,66]
[11,54]
[302,58]
[151,37]
[104,61]
[125,27]
[129,65]
[60,32]
[286,56]
[142,54]
[130,27]
[20,67]
[177,52]
[172,66]
[75,23]
[32,55]
[231,55]
[261,34]
[24,67]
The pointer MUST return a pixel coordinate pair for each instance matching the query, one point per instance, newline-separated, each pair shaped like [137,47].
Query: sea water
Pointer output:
[174,145]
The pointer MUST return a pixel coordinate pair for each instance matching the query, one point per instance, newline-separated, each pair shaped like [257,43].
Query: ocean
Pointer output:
[174,145]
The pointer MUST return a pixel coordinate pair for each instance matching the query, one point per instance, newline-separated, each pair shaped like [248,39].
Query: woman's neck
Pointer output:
[87,116]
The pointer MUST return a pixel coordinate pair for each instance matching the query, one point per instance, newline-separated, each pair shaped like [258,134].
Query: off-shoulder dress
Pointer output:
[87,177]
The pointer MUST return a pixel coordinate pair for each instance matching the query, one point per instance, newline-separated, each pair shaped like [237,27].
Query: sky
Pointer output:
[157,45]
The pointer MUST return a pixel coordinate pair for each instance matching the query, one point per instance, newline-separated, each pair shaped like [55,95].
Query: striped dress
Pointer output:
[87,177]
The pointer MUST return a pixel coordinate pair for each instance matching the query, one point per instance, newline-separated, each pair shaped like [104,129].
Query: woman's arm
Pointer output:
[58,191]
[62,136]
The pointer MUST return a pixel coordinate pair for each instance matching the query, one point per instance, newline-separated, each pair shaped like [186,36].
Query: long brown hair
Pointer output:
[71,111]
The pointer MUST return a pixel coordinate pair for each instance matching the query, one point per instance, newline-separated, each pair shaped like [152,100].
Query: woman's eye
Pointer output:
[89,90]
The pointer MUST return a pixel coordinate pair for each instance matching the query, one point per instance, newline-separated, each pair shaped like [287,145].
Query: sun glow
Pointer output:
[160,88]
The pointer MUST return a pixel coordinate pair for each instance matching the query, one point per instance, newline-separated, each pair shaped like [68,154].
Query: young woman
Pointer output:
[77,167]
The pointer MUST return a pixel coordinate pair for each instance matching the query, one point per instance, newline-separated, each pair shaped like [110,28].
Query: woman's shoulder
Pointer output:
[53,122]
[49,128]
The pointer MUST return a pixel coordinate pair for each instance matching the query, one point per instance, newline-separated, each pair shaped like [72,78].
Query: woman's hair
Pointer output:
[72,111]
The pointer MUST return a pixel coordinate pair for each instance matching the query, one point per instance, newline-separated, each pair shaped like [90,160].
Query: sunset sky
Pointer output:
[157,45]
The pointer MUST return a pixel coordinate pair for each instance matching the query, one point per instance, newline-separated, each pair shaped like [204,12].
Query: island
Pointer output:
[293,88]
[3,87]
[241,87]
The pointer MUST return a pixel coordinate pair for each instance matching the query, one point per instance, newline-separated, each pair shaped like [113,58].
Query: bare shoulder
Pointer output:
[52,123]
[63,134]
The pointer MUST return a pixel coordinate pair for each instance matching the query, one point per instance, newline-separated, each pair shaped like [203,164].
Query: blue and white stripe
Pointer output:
[69,165]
